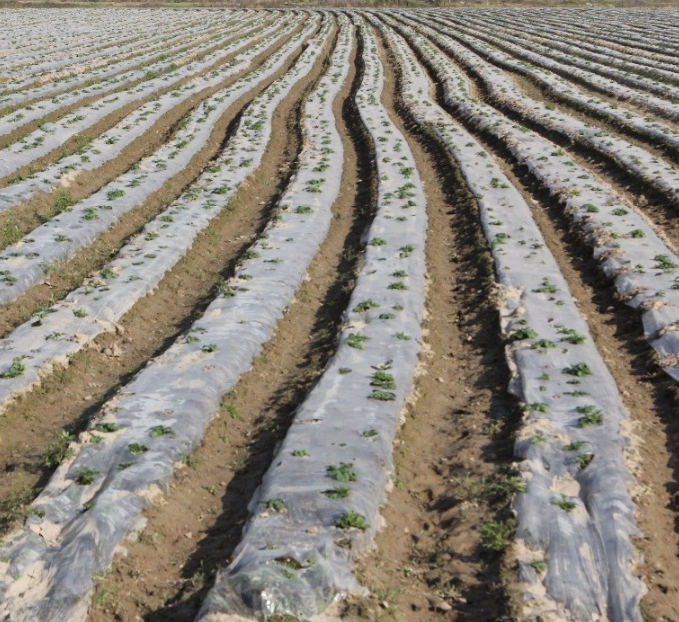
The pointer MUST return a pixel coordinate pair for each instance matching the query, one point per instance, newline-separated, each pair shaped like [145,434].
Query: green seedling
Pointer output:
[383,380]
[522,333]
[563,502]
[356,341]
[579,370]
[366,305]
[351,520]
[107,427]
[160,430]
[137,448]
[275,505]
[86,476]
[543,344]
[340,492]
[342,473]
[17,368]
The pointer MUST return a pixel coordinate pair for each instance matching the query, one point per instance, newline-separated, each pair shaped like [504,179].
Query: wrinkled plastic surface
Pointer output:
[96,498]
[577,518]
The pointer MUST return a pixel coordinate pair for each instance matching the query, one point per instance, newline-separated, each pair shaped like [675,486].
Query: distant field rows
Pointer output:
[211,212]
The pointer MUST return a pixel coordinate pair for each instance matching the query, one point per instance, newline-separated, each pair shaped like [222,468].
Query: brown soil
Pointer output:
[114,44]
[22,131]
[649,395]
[660,209]
[70,396]
[75,142]
[68,275]
[457,439]
[196,530]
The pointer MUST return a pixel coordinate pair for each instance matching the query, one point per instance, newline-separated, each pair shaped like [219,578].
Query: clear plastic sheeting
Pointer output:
[69,326]
[96,498]
[575,515]
[28,262]
[50,136]
[659,105]
[503,93]
[560,87]
[107,146]
[318,506]
[113,75]
[644,267]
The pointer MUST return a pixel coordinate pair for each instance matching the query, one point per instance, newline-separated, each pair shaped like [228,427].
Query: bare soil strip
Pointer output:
[660,209]
[20,220]
[455,450]
[68,275]
[207,505]
[649,397]
[27,128]
[74,143]
[66,400]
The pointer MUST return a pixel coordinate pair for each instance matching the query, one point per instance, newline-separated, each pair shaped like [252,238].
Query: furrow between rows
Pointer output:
[155,437]
[573,463]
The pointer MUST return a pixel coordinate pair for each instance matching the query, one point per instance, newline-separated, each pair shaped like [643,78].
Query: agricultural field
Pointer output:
[339,314]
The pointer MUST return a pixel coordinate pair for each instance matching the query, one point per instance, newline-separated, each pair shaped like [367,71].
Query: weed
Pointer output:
[495,535]
[190,460]
[62,200]
[58,450]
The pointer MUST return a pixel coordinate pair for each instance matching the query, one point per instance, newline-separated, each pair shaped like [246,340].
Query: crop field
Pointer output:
[327,314]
